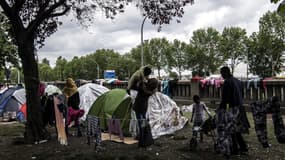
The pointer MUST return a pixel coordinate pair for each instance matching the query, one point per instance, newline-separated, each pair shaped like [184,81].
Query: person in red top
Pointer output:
[73,100]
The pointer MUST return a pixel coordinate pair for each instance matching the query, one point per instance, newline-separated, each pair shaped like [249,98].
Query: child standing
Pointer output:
[198,115]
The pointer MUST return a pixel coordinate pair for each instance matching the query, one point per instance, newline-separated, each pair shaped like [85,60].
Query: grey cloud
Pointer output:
[123,33]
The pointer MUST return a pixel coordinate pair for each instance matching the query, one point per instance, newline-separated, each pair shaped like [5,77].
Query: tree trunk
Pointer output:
[232,66]
[179,72]
[158,71]
[34,130]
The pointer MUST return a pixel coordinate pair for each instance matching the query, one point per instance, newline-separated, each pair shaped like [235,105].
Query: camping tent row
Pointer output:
[13,99]
[163,113]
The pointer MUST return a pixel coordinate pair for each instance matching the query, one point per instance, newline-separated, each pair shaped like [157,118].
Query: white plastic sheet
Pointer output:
[88,94]
[164,115]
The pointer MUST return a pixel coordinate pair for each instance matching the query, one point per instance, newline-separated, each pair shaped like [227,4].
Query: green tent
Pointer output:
[114,103]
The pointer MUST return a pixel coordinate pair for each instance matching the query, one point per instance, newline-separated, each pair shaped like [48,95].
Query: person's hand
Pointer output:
[128,91]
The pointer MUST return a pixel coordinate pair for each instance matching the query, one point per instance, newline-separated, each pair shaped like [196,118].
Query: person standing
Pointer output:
[138,77]
[232,103]
[137,87]
[73,100]
[198,115]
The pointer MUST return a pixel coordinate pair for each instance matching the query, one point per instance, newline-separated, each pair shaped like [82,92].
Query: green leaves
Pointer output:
[162,12]
[178,56]
[281,8]
[8,51]
[265,48]
[205,43]
[233,45]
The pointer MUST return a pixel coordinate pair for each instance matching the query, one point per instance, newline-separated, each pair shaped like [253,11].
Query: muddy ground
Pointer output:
[170,147]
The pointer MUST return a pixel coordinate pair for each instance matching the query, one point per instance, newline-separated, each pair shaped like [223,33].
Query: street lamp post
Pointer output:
[142,40]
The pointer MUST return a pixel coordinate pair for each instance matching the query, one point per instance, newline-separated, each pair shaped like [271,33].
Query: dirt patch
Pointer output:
[170,147]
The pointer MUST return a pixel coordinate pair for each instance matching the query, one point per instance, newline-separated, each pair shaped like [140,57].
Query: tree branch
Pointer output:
[44,14]
[52,8]
[13,16]
[18,5]
[61,13]
[6,8]
[43,6]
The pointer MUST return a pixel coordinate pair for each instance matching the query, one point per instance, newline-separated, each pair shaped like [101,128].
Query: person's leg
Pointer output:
[234,150]
[139,134]
[201,133]
[194,130]
[79,133]
[201,137]
[241,142]
[88,129]
[79,113]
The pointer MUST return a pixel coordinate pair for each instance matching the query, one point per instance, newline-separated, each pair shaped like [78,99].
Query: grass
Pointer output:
[171,146]
[275,152]
[12,129]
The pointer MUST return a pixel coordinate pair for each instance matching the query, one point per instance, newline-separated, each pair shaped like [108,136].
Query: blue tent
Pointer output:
[7,102]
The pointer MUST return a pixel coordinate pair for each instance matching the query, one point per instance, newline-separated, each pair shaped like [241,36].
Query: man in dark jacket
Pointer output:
[232,102]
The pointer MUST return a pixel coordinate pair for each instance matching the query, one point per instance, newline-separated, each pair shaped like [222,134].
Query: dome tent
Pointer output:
[164,115]
[88,94]
[115,103]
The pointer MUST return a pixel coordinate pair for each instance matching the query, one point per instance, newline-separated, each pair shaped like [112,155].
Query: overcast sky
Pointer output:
[123,33]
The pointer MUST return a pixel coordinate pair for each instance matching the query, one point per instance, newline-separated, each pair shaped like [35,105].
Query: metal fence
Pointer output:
[184,90]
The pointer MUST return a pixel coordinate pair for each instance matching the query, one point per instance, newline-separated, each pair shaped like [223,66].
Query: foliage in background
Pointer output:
[177,57]
[233,45]
[265,48]
[8,51]
[207,56]
[156,51]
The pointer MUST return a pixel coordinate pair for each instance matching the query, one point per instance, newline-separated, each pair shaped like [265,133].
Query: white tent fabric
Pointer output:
[20,95]
[88,94]
[187,108]
[164,115]
[3,90]
[51,89]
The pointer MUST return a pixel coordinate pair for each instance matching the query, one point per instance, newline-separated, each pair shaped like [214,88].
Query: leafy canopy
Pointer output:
[40,17]
[8,51]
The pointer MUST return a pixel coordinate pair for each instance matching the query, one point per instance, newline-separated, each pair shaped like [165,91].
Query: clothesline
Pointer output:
[119,118]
